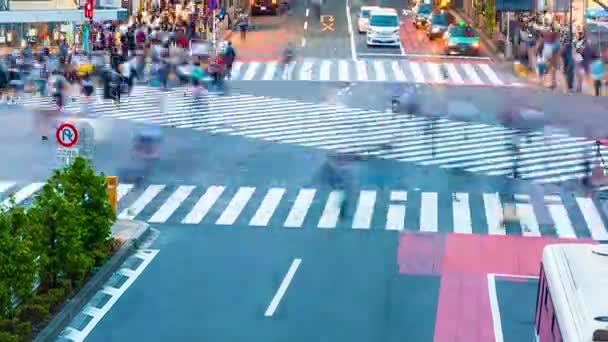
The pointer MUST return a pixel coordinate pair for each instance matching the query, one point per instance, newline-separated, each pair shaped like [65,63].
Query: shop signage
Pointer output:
[110,3]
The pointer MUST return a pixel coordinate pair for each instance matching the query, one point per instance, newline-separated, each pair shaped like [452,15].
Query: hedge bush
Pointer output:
[55,243]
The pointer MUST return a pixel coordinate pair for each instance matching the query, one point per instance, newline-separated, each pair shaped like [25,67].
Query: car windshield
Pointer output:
[439,20]
[365,14]
[384,21]
[463,31]
[424,9]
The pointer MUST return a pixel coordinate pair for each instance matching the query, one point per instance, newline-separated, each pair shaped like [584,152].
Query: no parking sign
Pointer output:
[67,137]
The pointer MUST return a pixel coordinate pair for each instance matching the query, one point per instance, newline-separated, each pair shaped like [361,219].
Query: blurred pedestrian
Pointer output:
[597,74]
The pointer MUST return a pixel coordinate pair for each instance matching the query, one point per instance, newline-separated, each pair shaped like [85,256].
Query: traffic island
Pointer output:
[58,249]
[129,234]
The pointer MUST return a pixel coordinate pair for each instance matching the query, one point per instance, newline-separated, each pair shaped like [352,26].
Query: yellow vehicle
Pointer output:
[84,69]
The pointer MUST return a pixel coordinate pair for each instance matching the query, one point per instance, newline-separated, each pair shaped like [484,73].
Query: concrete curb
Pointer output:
[75,304]
[520,70]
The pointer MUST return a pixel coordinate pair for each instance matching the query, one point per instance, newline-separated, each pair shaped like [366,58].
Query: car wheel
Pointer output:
[395,106]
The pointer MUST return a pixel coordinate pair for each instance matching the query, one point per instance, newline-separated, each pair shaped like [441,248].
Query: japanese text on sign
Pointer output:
[66,155]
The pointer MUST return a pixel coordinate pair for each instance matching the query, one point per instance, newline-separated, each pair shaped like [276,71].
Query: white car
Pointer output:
[363,18]
[384,28]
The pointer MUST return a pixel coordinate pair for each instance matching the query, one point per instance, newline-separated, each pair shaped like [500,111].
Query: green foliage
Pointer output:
[58,241]
[490,11]
[8,337]
[478,5]
[17,260]
[55,298]
[6,325]
[74,218]
[60,223]
[24,331]
[35,314]
[88,191]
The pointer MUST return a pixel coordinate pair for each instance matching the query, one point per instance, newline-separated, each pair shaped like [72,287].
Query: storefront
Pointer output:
[47,27]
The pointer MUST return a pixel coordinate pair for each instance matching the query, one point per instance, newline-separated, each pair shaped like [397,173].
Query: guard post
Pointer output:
[112,191]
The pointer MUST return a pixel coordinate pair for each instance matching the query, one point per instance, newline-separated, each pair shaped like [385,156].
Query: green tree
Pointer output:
[59,223]
[18,267]
[490,11]
[73,218]
[88,191]
[478,5]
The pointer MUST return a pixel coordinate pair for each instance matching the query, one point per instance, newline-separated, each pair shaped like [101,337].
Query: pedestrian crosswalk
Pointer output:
[368,209]
[374,70]
[545,157]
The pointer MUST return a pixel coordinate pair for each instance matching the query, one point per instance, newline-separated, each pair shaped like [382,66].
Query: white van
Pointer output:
[383,27]
[363,18]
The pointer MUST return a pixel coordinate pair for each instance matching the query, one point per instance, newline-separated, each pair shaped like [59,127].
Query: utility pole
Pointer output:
[570,52]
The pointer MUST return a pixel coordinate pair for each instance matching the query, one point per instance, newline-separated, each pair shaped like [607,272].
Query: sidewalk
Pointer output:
[532,78]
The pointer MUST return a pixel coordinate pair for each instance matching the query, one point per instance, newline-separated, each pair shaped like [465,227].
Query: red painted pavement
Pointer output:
[416,41]
[463,261]
[463,309]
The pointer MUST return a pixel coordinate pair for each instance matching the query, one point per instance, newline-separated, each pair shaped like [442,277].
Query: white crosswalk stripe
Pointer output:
[472,147]
[325,71]
[306,71]
[269,72]
[251,70]
[361,71]
[373,209]
[398,72]
[463,73]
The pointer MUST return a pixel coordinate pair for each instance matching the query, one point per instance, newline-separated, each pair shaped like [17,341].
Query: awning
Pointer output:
[515,5]
[58,16]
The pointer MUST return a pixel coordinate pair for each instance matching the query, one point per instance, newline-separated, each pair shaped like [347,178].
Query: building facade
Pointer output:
[44,23]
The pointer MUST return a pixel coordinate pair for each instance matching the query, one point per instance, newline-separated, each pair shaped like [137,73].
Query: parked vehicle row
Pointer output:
[381,26]
[458,38]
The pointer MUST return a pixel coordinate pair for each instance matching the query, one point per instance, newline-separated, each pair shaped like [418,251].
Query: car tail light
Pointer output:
[476,45]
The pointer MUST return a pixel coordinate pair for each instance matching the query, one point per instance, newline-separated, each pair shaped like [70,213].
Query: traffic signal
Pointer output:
[88,10]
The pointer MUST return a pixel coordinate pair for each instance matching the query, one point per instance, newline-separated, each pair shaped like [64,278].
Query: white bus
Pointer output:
[572,299]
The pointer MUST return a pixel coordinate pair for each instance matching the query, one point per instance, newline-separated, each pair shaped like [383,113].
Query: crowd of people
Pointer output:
[550,52]
[120,56]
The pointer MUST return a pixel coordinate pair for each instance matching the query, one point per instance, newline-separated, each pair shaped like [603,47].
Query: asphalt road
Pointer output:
[217,284]
[361,48]
[326,34]
[196,157]
[213,283]
[580,114]
[217,281]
